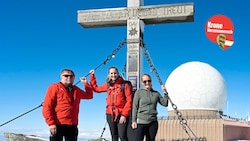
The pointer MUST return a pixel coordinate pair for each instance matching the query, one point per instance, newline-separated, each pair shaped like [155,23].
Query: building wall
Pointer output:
[211,129]
[235,130]
[202,124]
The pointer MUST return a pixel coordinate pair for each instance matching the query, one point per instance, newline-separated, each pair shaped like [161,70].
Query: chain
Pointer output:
[151,65]
[112,55]
[101,137]
[109,57]
[183,122]
[124,70]
[22,114]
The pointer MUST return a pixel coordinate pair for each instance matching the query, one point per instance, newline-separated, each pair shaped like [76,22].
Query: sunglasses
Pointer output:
[145,81]
[67,75]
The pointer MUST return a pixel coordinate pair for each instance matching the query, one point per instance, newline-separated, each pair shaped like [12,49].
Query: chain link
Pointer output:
[109,57]
[183,121]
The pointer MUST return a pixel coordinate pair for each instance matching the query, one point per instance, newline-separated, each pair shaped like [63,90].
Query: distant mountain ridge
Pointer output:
[22,137]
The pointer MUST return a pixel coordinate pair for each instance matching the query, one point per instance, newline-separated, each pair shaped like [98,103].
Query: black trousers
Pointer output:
[69,132]
[130,130]
[117,129]
[148,130]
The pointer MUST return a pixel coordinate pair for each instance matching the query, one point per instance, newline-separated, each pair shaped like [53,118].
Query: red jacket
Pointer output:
[116,97]
[60,108]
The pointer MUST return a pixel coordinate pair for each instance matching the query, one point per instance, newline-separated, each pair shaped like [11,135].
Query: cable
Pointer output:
[21,115]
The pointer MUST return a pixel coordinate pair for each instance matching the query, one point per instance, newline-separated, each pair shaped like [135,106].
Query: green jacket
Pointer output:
[144,108]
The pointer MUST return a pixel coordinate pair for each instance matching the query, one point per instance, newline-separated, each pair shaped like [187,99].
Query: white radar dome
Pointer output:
[196,85]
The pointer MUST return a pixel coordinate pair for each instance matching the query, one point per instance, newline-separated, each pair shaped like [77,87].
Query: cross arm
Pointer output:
[149,14]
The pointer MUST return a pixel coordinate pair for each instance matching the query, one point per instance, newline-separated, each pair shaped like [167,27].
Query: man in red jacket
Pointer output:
[61,106]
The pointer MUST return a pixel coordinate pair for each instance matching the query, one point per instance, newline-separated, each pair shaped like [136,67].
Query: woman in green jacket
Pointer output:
[144,111]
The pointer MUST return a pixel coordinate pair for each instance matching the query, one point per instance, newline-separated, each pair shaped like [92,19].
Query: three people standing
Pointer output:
[62,100]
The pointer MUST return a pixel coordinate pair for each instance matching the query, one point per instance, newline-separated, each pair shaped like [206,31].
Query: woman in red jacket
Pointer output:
[119,102]
[61,106]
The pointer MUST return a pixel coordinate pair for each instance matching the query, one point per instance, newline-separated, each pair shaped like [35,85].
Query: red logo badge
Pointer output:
[219,29]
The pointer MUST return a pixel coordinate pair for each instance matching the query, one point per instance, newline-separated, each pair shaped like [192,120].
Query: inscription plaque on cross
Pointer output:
[136,16]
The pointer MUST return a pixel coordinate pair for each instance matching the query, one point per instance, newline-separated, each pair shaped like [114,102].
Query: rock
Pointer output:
[22,137]
[100,139]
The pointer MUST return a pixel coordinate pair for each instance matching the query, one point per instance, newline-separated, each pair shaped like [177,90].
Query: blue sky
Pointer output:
[39,38]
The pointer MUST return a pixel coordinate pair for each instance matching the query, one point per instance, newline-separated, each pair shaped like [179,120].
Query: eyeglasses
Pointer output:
[67,75]
[145,81]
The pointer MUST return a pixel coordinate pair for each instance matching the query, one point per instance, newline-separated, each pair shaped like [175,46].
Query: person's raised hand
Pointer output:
[83,79]
[92,71]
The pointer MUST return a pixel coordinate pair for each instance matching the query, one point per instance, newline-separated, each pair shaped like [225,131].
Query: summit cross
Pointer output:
[135,16]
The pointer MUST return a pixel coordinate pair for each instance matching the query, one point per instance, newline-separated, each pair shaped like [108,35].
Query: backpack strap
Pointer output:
[123,86]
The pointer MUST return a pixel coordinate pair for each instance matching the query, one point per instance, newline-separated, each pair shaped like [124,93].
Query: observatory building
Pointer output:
[198,95]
